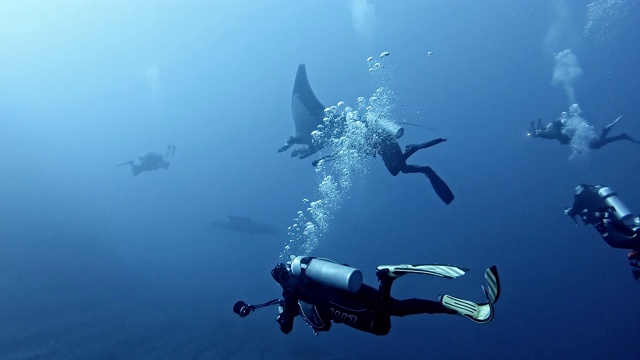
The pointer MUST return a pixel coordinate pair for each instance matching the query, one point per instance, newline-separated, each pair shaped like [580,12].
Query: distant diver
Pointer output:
[151,161]
[322,291]
[308,113]
[244,225]
[556,130]
[601,207]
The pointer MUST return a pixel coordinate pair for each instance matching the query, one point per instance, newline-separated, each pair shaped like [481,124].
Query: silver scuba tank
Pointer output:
[327,273]
[611,199]
[394,129]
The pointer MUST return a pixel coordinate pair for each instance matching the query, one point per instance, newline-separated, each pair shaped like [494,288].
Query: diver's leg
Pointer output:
[606,129]
[418,306]
[307,151]
[411,149]
[408,306]
[412,169]
[304,152]
[324,158]
[608,140]
[382,311]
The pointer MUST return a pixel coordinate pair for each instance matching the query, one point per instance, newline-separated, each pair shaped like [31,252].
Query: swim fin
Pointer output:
[478,312]
[445,271]
[439,186]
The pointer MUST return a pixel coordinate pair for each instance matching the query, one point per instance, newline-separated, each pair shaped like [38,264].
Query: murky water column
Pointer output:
[346,137]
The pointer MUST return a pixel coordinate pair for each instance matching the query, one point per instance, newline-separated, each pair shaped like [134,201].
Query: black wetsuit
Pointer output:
[553,130]
[367,309]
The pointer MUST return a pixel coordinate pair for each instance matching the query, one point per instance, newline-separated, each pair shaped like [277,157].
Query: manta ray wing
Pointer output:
[307,111]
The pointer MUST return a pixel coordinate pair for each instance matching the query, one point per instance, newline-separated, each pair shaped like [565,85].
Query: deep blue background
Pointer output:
[97,264]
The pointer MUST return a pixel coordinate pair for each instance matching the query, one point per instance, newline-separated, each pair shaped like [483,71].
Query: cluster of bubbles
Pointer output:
[566,71]
[347,137]
[603,17]
[576,127]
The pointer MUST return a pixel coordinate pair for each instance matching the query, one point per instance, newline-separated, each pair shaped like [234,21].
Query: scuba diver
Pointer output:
[383,141]
[321,291]
[151,161]
[396,162]
[600,206]
[556,130]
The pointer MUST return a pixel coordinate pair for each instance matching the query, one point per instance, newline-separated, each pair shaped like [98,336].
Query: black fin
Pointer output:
[440,187]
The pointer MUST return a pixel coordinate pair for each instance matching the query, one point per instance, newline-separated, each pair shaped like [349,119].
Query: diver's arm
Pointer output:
[434,142]
[324,158]
[289,310]
[126,163]
[307,151]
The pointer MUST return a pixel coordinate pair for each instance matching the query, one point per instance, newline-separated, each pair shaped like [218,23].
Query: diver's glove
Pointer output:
[280,317]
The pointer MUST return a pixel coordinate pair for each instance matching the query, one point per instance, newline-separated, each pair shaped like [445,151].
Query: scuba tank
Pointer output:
[612,200]
[395,129]
[327,272]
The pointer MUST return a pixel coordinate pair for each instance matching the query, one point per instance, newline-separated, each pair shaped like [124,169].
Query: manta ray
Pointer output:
[244,225]
[307,114]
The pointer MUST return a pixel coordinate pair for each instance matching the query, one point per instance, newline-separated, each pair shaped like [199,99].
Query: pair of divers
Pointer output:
[600,206]
[556,130]
[151,161]
[322,291]
[308,113]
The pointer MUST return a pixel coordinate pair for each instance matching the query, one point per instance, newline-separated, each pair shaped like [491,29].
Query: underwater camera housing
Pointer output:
[242,308]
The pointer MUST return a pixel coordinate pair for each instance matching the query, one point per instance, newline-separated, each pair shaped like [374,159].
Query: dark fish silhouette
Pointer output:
[244,225]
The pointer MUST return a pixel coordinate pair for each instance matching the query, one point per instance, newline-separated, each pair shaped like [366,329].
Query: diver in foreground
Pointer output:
[322,291]
[555,130]
[151,161]
[600,206]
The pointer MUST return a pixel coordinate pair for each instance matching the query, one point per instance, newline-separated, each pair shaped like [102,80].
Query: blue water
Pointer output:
[98,264]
